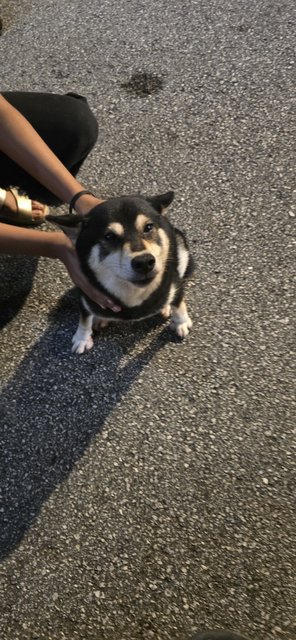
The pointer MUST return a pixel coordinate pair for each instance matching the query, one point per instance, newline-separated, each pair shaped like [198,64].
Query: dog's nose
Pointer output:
[143,263]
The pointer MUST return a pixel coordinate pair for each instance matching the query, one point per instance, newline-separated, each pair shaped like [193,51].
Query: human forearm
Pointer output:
[21,143]
[18,241]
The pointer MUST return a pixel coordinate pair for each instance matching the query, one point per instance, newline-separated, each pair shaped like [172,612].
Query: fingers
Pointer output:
[70,259]
[98,297]
[103,301]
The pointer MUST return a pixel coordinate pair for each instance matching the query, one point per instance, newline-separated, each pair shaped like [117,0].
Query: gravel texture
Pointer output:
[148,488]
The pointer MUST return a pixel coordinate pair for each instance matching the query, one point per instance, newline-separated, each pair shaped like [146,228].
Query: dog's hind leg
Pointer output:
[180,323]
[166,311]
[100,323]
[82,340]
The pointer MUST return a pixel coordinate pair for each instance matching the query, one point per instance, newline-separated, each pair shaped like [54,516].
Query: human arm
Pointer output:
[21,143]
[54,244]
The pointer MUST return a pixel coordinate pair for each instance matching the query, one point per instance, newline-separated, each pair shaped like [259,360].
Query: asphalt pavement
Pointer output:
[148,487]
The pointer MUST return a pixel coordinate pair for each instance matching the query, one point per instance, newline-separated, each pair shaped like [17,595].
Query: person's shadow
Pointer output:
[16,278]
[54,405]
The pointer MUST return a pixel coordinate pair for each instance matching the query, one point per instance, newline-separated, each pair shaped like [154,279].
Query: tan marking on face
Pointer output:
[126,250]
[150,246]
[141,220]
[164,249]
[116,227]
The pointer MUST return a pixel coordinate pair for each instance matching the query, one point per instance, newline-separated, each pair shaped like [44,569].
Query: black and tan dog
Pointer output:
[129,250]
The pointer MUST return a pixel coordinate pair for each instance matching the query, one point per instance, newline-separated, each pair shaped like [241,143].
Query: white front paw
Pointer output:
[80,344]
[182,328]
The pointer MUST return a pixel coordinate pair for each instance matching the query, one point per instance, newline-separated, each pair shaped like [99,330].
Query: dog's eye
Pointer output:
[148,227]
[109,236]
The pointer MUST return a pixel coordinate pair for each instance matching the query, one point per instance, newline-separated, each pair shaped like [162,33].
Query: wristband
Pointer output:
[75,198]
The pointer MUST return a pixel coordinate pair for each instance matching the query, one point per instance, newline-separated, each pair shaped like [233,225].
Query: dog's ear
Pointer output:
[162,202]
[70,224]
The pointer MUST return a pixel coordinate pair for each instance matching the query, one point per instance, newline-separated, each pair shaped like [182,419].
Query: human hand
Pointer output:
[70,259]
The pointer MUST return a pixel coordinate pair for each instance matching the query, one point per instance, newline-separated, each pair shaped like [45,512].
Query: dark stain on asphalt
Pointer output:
[143,84]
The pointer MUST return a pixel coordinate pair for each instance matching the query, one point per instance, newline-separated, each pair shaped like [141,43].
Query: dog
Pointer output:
[129,250]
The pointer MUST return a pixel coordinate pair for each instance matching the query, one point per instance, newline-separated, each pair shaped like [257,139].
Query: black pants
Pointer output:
[67,126]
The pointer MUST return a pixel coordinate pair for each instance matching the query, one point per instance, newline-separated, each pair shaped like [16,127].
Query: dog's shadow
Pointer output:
[55,404]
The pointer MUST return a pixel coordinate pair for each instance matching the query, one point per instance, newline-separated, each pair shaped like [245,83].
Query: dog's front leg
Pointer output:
[82,340]
[180,323]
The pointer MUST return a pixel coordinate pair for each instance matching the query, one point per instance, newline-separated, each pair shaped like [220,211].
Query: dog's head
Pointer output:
[124,241]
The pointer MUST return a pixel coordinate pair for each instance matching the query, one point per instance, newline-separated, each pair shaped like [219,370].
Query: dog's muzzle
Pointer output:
[143,266]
